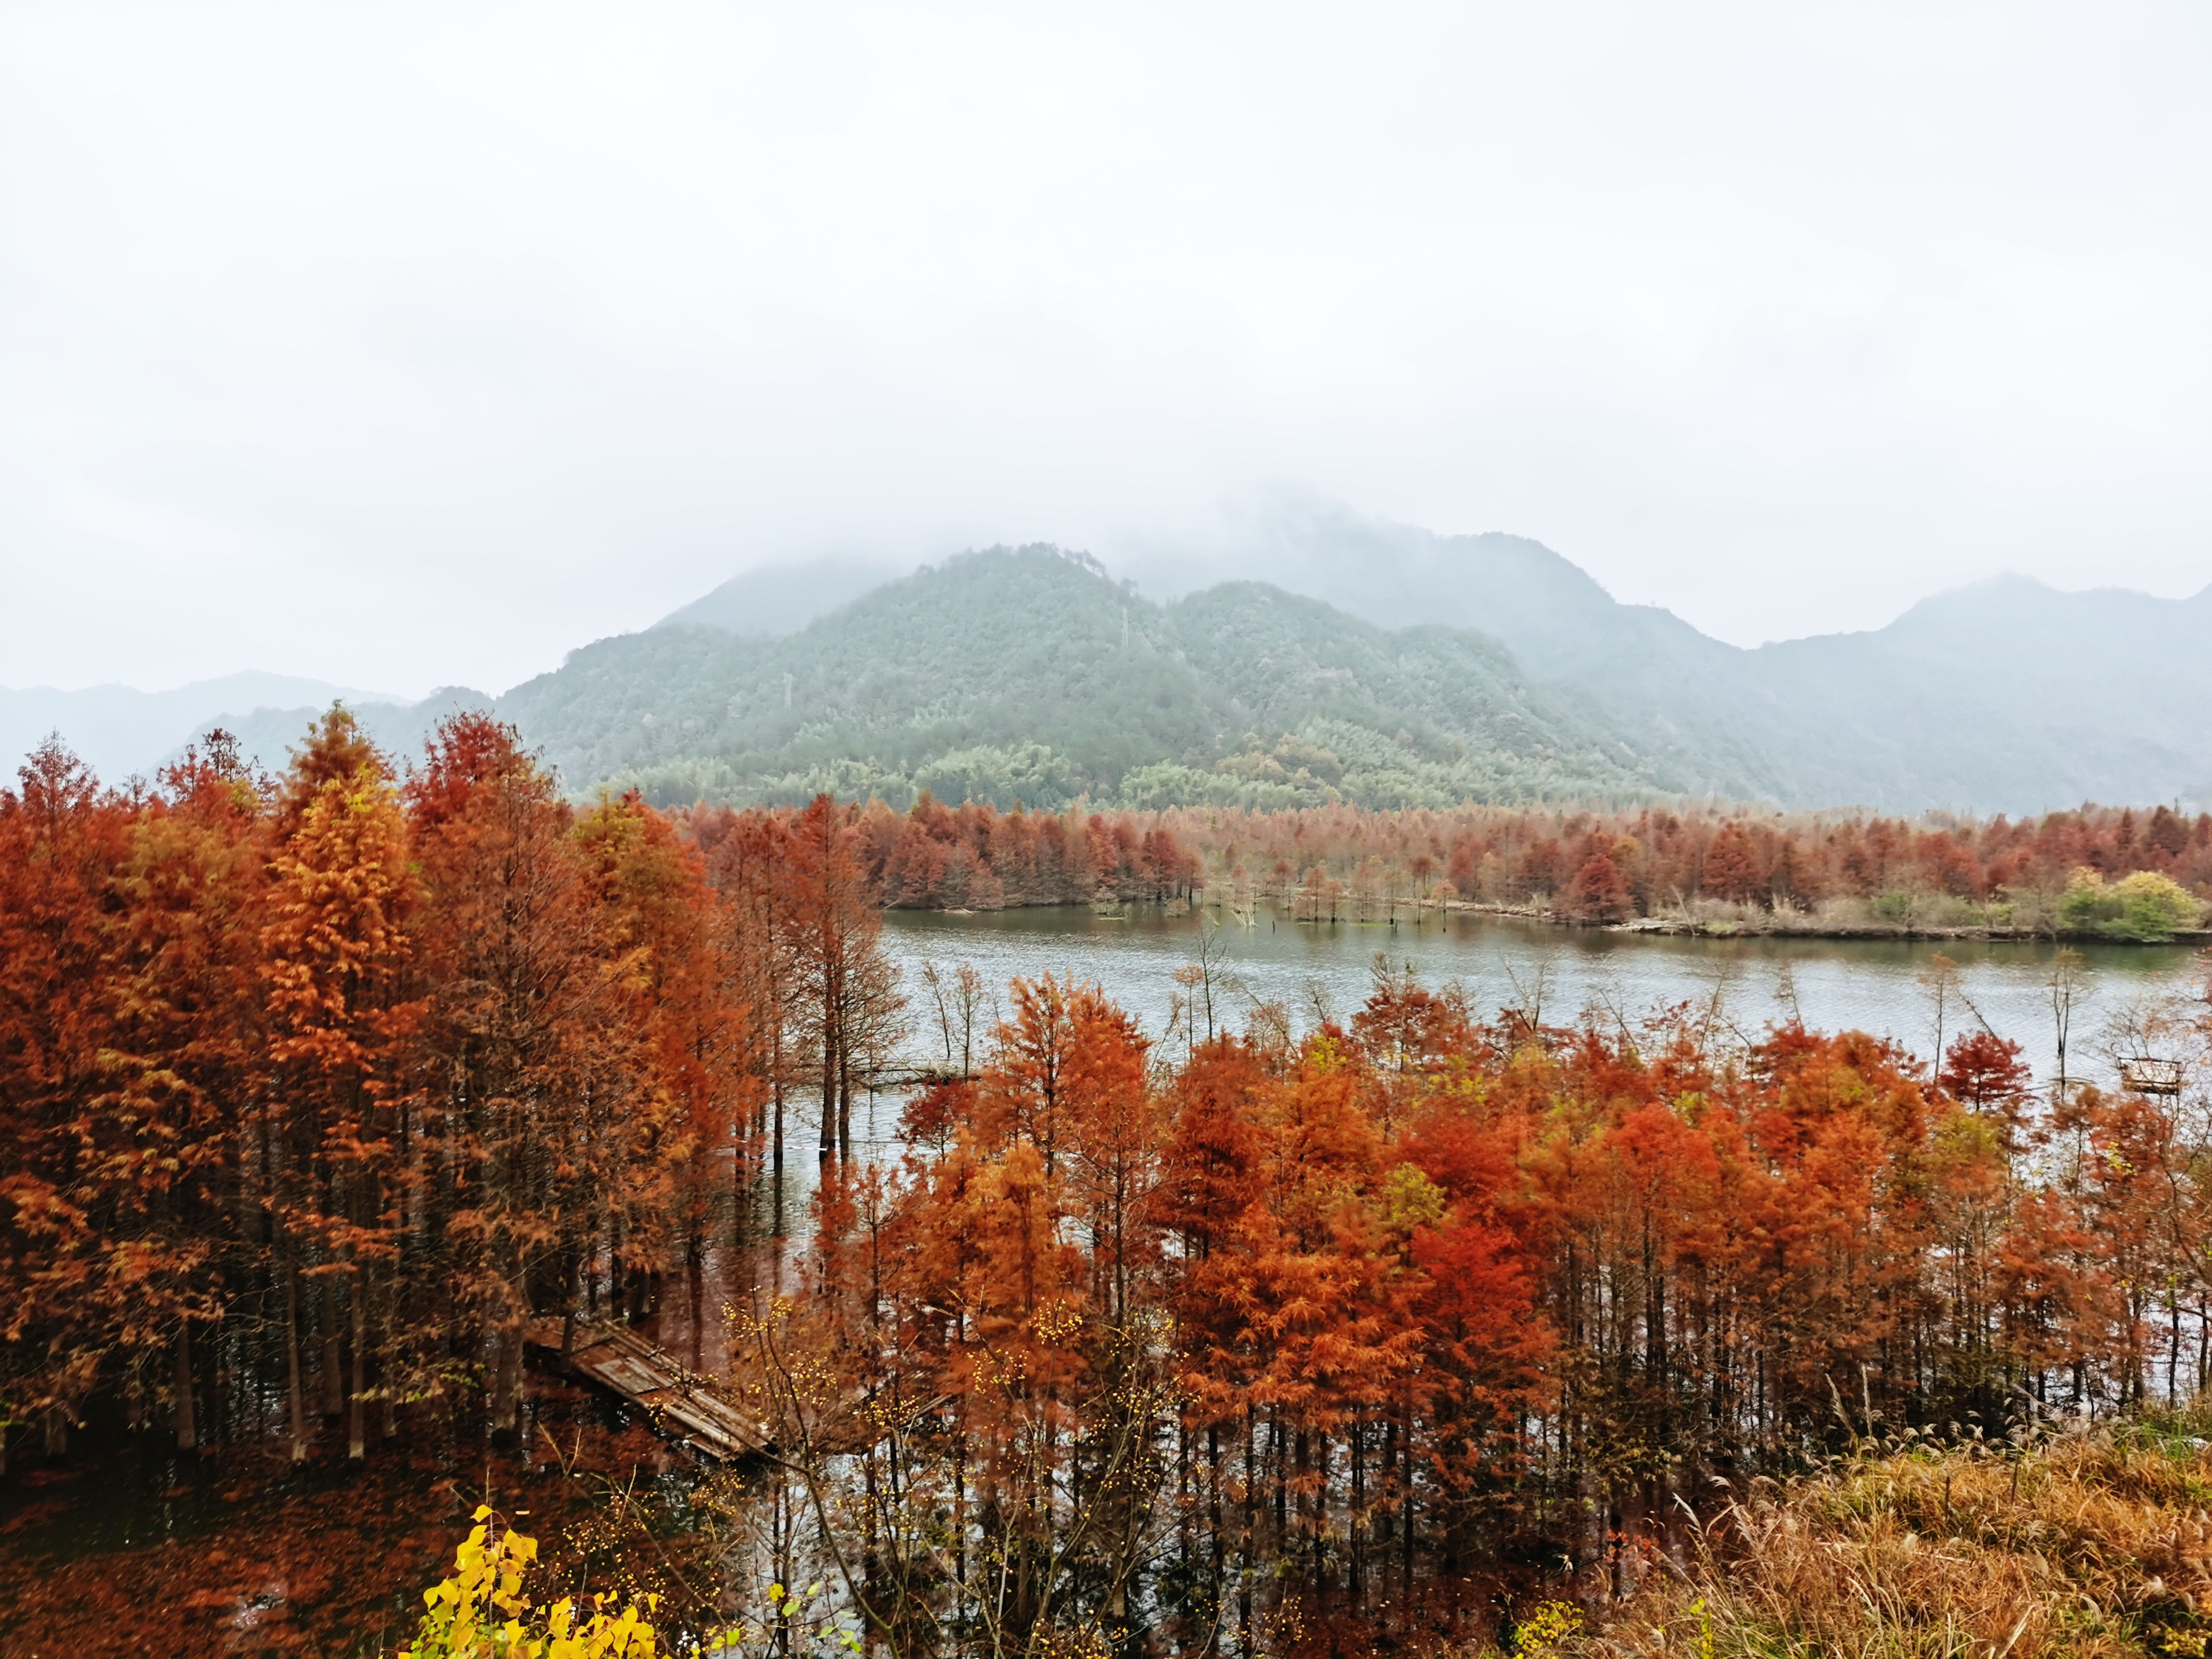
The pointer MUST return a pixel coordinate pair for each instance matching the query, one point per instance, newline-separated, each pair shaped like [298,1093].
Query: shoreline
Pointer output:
[1767,925]
[1675,927]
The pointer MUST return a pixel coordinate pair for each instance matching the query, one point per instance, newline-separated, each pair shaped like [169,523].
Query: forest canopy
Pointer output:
[1027,674]
[1395,673]
[2095,872]
[334,1103]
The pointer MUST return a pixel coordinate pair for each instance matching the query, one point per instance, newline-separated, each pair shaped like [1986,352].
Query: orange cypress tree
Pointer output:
[189,1066]
[541,1096]
[337,947]
[60,841]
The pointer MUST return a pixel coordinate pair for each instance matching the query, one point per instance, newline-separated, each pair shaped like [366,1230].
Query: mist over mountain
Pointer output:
[267,736]
[1671,691]
[2007,696]
[781,598]
[121,732]
[1030,673]
[1381,664]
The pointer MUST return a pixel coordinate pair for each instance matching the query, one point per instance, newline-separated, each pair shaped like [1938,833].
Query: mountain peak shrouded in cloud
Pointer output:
[120,731]
[781,598]
[1410,666]
[1030,673]
[1998,697]
[430,399]
[1555,614]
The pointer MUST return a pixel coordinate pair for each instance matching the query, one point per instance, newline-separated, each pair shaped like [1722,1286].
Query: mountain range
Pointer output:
[121,732]
[1378,663]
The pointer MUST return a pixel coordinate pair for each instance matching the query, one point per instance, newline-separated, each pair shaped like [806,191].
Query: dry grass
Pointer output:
[2084,1544]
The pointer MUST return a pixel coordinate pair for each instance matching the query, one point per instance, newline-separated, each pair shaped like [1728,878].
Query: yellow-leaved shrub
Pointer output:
[479,1611]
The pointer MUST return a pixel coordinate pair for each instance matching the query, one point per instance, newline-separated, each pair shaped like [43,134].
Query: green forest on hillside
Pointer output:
[1374,665]
[1384,669]
[1029,674]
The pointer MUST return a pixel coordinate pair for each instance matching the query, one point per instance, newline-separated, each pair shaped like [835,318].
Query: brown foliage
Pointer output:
[1588,865]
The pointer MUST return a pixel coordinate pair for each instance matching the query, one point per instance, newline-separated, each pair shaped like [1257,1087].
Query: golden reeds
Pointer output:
[2085,1543]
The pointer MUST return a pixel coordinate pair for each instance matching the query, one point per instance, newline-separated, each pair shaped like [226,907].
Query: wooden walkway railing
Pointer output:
[616,1358]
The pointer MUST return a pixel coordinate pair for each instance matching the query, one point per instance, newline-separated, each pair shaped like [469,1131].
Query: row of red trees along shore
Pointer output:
[315,1092]
[1588,866]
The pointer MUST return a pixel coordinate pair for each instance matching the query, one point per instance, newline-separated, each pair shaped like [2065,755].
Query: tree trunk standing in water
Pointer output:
[1942,978]
[828,1133]
[294,1398]
[333,1361]
[2065,986]
[850,983]
[844,1097]
[777,1176]
[751,865]
[357,1405]
[829,888]
[873,1024]
[187,1426]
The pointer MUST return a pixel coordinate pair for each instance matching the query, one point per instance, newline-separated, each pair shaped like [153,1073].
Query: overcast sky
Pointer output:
[405,345]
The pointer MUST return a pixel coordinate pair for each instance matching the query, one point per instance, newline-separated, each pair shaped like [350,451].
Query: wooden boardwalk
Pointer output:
[615,1357]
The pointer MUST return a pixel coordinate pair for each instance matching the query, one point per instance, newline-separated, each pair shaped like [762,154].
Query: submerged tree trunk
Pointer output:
[296,1398]
[844,1107]
[357,1405]
[506,1378]
[776,1175]
[333,1355]
[188,1438]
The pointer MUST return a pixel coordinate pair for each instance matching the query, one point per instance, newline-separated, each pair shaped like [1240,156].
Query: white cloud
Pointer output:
[406,344]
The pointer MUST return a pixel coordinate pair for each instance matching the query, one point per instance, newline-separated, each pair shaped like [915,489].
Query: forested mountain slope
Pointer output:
[1673,692]
[1385,664]
[2007,696]
[1029,673]
[2004,697]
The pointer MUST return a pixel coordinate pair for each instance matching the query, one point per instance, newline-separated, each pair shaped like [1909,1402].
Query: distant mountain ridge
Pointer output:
[1671,690]
[1029,673]
[780,598]
[2007,696]
[120,731]
[1380,663]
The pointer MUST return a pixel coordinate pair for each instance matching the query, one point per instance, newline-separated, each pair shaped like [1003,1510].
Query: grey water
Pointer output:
[1745,984]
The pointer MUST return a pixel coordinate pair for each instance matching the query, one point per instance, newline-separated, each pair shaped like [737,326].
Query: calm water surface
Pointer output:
[1835,984]
[1751,983]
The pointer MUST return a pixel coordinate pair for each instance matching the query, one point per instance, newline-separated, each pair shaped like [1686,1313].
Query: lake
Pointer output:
[1870,985]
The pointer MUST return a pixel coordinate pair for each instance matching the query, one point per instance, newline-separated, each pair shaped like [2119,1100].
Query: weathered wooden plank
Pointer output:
[619,1359]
